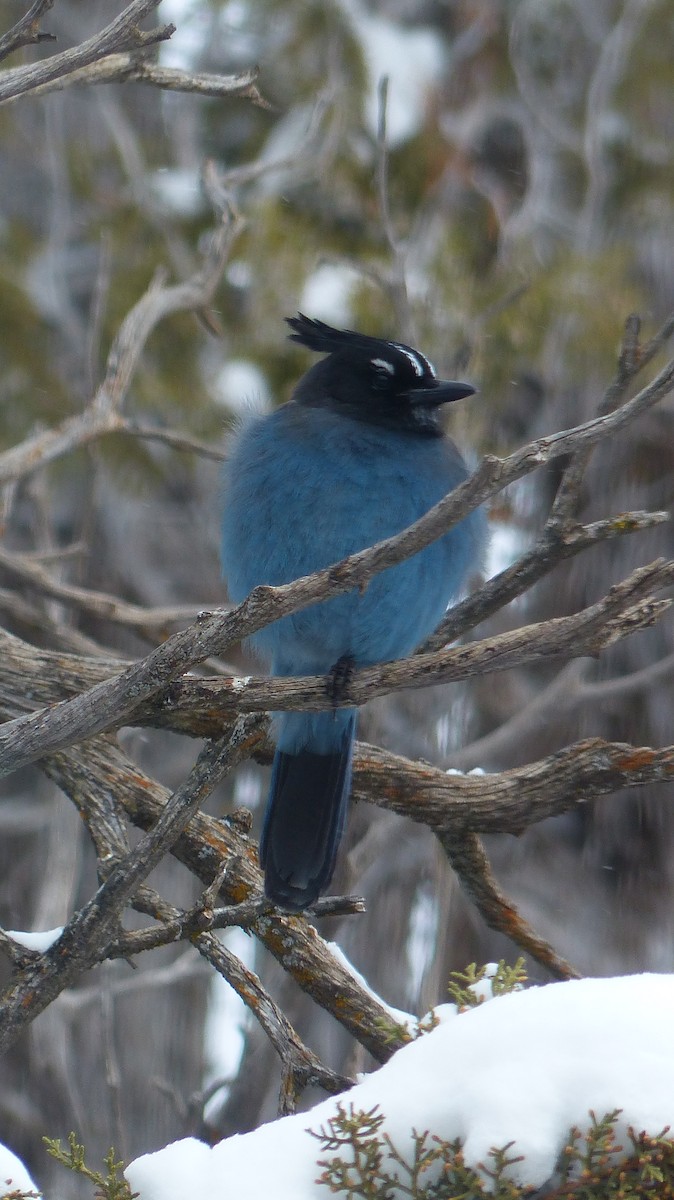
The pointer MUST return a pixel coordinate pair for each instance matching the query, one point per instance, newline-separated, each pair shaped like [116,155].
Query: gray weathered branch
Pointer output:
[133,68]
[94,926]
[121,34]
[88,775]
[627,607]
[26,31]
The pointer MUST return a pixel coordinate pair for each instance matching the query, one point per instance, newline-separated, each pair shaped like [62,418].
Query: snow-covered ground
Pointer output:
[521,1068]
[13,1175]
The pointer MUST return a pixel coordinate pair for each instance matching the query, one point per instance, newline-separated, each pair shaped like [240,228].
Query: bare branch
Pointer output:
[554,546]
[27,30]
[103,415]
[91,929]
[169,437]
[467,856]
[300,1066]
[99,604]
[184,926]
[109,704]
[132,68]
[507,801]
[100,768]
[194,707]
[121,34]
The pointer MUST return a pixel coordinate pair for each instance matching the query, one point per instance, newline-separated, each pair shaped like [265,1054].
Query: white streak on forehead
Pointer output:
[386,366]
[420,364]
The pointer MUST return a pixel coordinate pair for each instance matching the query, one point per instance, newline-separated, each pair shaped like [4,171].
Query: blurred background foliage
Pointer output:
[529,210]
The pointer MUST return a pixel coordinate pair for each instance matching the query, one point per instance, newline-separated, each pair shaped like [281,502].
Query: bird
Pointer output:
[356,455]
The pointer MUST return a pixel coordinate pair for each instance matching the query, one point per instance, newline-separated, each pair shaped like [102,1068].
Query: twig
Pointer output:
[393,282]
[131,68]
[169,437]
[629,606]
[103,415]
[121,34]
[300,1066]
[204,846]
[467,856]
[27,30]
[99,604]
[187,925]
[554,546]
[91,929]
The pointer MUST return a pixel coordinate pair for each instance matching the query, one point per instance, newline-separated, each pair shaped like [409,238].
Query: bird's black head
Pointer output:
[372,380]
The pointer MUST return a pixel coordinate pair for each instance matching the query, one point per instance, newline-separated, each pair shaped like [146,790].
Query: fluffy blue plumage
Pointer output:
[355,457]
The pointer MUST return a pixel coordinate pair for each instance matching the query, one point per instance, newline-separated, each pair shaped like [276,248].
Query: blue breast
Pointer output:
[304,488]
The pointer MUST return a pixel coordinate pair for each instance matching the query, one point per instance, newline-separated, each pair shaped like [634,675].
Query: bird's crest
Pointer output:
[316,335]
[322,338]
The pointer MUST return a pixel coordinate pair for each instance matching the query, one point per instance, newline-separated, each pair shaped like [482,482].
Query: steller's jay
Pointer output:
[356,455]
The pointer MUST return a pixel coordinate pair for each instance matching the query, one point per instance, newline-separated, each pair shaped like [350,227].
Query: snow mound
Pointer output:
[521,1068]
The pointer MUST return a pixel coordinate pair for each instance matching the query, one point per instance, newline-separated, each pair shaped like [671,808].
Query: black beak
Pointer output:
[443,391]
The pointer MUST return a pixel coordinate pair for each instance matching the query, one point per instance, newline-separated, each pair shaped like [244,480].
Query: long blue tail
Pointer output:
[306,810]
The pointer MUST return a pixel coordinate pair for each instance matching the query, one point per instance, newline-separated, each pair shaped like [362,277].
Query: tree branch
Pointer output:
[103,416]
[133,68]
[554,546]
[111,703]
[300,1066]
[121,34]
[186,926]
[205,846]
[99,604]
[506,801]
[468,858]
[90,930]
[26,31]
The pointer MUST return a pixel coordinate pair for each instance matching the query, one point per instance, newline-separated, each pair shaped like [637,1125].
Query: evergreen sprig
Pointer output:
[111,1186]
[504,979]
[365,1164]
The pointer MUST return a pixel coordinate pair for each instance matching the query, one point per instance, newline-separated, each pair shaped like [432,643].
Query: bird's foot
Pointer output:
[339,678]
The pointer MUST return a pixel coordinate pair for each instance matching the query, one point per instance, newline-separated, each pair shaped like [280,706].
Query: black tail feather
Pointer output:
[305,819]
